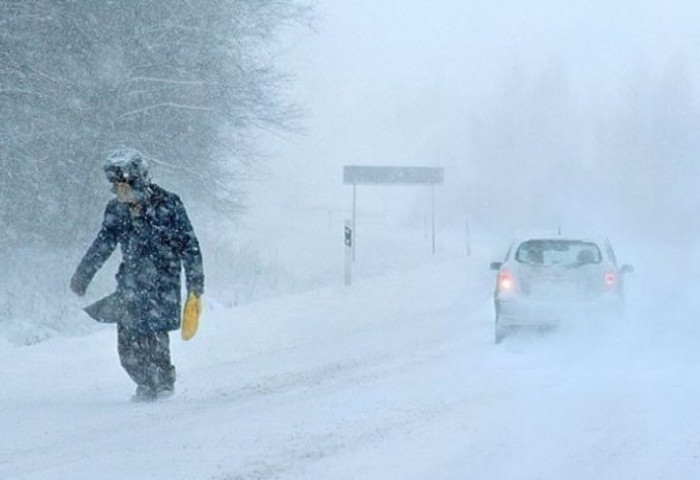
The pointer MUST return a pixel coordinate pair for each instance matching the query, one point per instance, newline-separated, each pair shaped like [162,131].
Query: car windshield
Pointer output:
[569,253]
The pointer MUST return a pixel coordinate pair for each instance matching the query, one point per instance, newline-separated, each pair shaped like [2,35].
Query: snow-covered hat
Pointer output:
[126,165]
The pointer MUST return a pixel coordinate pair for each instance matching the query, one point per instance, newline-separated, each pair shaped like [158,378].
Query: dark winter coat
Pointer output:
[156,241]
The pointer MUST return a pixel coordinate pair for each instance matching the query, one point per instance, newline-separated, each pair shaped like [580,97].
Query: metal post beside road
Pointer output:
[348,240]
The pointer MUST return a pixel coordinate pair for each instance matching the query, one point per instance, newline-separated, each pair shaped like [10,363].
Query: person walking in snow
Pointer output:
[156,238]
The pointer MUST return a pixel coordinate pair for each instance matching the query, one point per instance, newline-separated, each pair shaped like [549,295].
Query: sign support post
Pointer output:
[354,209]
[432,208]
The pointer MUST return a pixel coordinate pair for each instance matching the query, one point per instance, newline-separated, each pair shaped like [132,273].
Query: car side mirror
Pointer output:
[496,265]
[627,268]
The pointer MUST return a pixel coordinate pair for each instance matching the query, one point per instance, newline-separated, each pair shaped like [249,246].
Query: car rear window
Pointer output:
[569,253]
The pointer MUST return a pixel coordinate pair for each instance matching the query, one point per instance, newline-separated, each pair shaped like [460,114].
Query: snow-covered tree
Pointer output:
[186,82]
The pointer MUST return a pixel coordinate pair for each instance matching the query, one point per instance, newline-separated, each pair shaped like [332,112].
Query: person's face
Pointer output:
[125,192]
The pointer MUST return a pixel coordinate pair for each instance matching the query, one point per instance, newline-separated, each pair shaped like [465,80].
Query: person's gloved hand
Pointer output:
[190,316]
[77,285]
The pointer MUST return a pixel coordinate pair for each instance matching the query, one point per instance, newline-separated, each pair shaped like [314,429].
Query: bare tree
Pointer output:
[185,82]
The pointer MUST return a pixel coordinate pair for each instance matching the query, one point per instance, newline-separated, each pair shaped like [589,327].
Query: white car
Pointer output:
[545,280]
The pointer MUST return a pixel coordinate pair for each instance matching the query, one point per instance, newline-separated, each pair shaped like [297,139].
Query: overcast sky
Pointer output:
[525,104]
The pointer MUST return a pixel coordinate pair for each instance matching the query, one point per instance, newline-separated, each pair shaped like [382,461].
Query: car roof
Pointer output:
[582,237]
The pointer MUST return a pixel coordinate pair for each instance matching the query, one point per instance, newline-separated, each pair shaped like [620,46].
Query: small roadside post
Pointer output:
[348,252]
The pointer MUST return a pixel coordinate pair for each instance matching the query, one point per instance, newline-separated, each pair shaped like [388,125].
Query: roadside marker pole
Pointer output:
[348,240]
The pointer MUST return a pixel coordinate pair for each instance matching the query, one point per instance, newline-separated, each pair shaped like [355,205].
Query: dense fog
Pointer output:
[542,113]
[316,361]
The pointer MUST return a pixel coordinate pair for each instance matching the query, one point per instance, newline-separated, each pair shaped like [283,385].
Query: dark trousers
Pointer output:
[146,357]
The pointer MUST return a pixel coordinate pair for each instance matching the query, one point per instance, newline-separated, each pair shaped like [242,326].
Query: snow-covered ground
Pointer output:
[395,377]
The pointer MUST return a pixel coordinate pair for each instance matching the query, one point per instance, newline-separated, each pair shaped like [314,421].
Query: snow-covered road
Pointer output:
[394,377]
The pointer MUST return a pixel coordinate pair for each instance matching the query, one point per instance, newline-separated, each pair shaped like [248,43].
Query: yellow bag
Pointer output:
[190,316]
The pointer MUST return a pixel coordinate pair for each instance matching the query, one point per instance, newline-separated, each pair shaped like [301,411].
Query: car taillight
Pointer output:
[610,279]
[505,280]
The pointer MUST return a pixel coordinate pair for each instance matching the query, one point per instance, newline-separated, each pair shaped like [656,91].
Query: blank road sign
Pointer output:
[365,175]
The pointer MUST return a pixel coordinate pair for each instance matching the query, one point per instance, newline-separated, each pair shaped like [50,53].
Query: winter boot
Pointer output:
[165,392]
[144,394]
